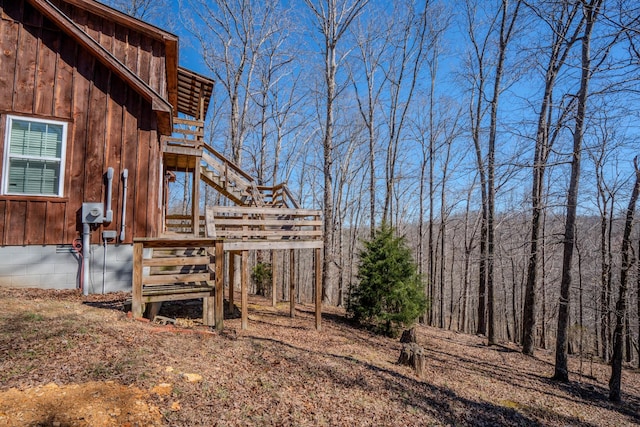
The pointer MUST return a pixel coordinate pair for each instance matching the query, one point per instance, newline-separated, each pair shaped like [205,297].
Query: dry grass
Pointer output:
[283,372]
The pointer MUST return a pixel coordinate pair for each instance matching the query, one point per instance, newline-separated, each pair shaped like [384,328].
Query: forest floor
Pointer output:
[69,360]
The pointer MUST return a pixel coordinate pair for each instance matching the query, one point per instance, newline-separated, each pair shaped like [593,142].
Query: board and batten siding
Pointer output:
[45,74]
[142,54]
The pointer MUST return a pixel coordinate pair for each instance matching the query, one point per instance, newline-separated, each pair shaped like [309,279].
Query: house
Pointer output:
[87,95]
[96,117]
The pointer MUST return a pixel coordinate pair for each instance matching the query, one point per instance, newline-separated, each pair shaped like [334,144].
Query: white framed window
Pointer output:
[34,151]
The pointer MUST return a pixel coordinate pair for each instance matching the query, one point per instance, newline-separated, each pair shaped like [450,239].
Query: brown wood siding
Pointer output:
[45,74]
[142,54]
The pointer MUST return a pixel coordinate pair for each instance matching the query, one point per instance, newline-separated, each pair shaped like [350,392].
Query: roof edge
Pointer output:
[123,19]
[161,106]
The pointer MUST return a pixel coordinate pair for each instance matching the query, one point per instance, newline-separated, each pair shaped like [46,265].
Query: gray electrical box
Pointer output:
[92,213]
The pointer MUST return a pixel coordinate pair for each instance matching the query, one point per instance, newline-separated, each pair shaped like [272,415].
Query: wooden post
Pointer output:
[195,199]
[208,303]
[209,311]
[318,278]
[219,254]
[136,294]
[232,278]
[244,279]
[274,278]
[292,284]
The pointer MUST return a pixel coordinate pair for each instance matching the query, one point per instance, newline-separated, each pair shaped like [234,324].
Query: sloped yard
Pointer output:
[70,360]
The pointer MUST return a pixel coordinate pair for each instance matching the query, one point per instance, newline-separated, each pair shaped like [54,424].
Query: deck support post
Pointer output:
[208,310]
[136,297]
[292,284]
[274,278]
[219,275]
[244,297]
[318,279]
[232,279]
[195,199]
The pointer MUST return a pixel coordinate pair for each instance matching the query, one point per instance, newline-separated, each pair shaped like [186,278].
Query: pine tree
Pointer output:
[390,294]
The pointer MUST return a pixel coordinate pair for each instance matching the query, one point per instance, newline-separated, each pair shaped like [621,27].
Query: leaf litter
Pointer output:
[279,372]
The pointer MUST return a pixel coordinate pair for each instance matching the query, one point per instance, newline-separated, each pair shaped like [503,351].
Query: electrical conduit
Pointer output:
[125,177]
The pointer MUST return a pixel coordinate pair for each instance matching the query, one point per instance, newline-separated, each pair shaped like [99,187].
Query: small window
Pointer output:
[34,157]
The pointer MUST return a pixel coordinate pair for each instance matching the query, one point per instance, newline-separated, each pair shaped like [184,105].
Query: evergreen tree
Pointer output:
[390,294]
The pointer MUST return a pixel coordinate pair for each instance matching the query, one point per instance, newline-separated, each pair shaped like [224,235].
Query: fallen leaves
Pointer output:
[283,372]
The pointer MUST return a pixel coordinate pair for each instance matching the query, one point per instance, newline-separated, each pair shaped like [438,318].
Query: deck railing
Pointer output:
[187,136]
[265,228]
[183,224]
[179,269]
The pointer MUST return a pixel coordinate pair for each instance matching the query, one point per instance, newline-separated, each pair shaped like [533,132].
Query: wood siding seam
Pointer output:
[15,67]
[36,75]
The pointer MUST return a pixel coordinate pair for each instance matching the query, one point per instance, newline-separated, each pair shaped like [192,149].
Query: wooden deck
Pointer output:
[264,218]
[178,268]
[244,229]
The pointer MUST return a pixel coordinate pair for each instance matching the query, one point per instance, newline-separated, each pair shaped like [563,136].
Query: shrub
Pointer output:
[261,276]
[390,295]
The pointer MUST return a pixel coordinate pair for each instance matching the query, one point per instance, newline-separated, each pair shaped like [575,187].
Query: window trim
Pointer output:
[4,190]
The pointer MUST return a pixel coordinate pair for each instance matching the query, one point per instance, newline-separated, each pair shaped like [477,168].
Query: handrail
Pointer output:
[228,162]
[281,190]
[293,200]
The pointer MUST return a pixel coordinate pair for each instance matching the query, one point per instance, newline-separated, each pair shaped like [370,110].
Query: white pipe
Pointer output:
[104,262]
[125,176]
[109,213]
[86,248]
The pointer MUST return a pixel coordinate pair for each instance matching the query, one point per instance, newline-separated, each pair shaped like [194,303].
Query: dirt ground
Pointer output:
[69,360]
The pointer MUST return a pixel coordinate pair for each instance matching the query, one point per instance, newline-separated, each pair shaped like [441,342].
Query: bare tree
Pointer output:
[504,21]
[371,44]
[333,18]
[233,35]
[561,18]
[591,10]
[142,9]
[477,111]
[507,24]
[621,304]
[408,50]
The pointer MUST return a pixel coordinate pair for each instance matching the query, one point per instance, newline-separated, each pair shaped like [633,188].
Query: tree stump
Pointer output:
[408,336]
[412,355]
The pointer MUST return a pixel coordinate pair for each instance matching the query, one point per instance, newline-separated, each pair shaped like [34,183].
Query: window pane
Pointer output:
[34,176]
[36,139]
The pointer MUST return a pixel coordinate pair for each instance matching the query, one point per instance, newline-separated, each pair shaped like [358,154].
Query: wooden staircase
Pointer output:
[185,150]
[229,179]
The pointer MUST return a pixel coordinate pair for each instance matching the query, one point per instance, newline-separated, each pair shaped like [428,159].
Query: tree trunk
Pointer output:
[333,19]
[621,304]
[560,47]
[409,336]
[506,28]
[327,147]
[413,355]
[604,286]
[561,370]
